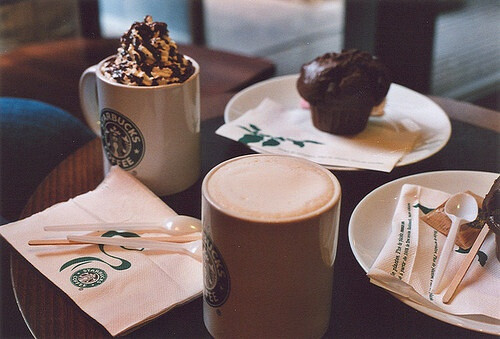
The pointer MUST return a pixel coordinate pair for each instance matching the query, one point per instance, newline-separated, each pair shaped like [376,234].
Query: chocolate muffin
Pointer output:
[342,88]
[491,208]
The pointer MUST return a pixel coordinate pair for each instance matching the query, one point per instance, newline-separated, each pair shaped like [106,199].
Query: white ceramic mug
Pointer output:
[151,131]
[270,229]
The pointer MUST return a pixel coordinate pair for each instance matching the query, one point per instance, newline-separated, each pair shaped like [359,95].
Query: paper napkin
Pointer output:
[271,128]
[118,287]
[407,262]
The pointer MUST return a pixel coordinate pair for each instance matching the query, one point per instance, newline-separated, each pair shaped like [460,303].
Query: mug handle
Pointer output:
[88,98]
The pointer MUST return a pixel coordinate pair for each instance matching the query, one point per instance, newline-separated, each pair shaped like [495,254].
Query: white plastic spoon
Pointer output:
[174,225]
[460,208]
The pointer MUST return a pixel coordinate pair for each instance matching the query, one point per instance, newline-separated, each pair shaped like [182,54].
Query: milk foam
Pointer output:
[270,187]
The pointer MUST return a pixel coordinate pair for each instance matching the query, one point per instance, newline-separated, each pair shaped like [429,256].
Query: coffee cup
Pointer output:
[151,131]
[270,229]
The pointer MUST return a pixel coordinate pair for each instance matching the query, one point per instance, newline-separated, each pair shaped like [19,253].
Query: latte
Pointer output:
[271,188]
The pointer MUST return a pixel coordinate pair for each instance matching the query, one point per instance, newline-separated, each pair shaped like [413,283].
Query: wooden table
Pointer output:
[359,308]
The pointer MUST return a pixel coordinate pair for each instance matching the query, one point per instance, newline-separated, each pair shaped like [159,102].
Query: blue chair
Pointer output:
[34,138]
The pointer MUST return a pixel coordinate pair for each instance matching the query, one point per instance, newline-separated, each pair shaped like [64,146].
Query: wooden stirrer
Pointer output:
[457,279]
[176,239]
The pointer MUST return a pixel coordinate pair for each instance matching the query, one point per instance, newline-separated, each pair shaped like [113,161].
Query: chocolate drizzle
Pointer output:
[148,57]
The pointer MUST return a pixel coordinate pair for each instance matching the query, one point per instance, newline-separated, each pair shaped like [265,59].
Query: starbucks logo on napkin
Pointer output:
[215,274]
[122,141]
[92,277]
[88,277]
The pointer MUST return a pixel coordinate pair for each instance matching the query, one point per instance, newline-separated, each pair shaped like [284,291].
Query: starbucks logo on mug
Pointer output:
[122,141]
[215,274]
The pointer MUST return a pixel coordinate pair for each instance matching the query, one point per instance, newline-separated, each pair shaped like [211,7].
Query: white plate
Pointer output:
[401,103]
[370,226]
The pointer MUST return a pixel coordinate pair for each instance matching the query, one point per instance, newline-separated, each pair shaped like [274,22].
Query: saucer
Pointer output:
[371,220]
[401,103]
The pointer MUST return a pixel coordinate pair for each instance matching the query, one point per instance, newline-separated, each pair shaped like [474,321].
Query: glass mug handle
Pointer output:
[88,98]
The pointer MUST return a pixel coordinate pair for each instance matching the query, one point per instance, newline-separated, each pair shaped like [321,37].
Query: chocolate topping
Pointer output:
[148,57]
[352,74]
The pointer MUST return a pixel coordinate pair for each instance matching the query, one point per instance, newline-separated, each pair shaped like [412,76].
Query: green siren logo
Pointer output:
[92,277]
[88,277]
[215,274]
[122,141]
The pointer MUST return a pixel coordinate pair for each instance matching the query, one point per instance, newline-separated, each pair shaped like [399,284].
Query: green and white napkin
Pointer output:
[271,128]
[407,262]
[119,287]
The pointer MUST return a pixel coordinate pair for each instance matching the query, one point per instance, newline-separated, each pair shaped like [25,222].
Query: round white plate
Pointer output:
[401,102]
[370,226]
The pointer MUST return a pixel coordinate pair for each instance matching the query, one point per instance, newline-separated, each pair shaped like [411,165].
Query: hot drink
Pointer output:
[144,102]
[270,188]
[270,226]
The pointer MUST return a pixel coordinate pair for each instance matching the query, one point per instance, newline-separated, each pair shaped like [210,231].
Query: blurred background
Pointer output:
[447,48]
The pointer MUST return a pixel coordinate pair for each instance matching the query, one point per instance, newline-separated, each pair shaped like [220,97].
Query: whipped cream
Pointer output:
[147,57]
